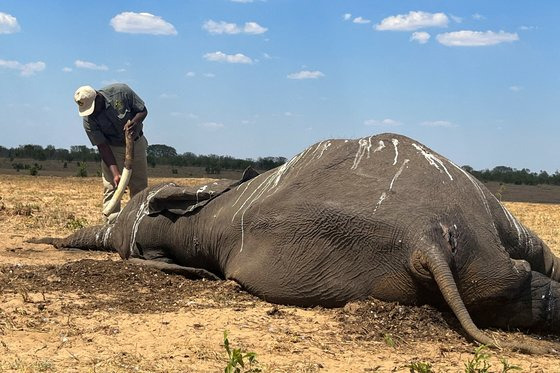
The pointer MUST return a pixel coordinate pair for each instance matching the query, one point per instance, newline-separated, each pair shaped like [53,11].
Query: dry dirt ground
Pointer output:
[64,311]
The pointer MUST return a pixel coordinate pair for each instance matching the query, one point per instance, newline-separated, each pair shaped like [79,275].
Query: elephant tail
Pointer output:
[442,274]
[94,238]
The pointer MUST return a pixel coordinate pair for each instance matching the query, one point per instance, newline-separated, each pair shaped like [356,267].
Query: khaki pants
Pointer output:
[139,178]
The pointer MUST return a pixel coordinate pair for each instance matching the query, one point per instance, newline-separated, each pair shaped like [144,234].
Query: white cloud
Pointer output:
[515,88]
[527,28]
[181,115]
[168,96]
[254,28]
[229,58]
[190,74]
[25,69]
[478,17]
[209,75]
[142,23]
[90,65]
[421,37]
[306,74]
[222,27]
[413,21]
[67,69]
[212,126]
[438,123]
[8,24]
[347,16]
[361,20]
[468,38]
[456,19]
[385,122]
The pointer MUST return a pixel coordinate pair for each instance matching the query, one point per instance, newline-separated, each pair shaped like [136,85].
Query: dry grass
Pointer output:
[543,219]
[46,332]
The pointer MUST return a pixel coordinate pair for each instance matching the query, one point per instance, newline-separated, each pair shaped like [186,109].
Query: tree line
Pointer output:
[159,154]
[508,175]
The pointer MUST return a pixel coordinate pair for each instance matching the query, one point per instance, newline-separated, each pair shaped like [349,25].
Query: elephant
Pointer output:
[382,216]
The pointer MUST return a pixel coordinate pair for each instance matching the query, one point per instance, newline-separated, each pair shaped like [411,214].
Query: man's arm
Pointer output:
[133,124]
[109,159]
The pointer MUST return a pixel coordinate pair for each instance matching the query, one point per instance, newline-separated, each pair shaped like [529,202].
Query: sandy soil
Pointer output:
[71,311]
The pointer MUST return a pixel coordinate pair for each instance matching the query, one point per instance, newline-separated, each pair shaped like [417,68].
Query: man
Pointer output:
[107,114]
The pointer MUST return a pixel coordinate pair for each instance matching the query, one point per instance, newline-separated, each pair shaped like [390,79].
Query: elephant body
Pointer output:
[382,216]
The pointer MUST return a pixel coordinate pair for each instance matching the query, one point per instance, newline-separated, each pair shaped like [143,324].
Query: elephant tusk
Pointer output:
[125,177]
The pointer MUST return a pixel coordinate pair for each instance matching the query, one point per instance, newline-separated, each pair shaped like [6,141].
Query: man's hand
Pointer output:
[116,174]
[116,180]
[132,127]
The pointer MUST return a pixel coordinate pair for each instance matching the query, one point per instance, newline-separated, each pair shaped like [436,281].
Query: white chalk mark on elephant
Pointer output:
[520,228]
[379,147]
[395,144]
[200,190]
[364,147]
[383,196]
[479,190]
[244,190]
[269,183]
[381,199]
[398,174]
[107,235]
[325,147]
[433,160]
[141,213]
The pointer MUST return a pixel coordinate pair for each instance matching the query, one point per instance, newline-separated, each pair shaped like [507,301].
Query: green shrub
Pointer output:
[82,169]
[236,358]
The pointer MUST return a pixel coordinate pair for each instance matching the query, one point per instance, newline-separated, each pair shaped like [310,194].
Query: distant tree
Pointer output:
[161,151]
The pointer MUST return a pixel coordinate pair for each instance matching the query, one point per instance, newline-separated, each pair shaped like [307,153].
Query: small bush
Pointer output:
[82,169]
[420,367]
[236,358]
[76,223]
[479,363]
[21,209]
[34,170]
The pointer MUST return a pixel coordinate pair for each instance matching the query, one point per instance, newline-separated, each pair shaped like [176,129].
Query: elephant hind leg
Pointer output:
[527,246]
[542,259]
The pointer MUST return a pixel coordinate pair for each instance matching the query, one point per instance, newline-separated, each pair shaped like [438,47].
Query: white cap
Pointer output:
[85,98]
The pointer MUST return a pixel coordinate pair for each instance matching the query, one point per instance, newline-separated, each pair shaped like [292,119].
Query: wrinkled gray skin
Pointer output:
[382,216]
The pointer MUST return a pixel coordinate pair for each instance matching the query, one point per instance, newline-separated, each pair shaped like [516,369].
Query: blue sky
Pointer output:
[477,81]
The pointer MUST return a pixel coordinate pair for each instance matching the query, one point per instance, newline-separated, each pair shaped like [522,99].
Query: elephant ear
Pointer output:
[248,174]
[183,200]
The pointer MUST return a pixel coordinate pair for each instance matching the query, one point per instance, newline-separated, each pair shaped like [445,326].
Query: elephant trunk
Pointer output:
[442,274]
[95,238]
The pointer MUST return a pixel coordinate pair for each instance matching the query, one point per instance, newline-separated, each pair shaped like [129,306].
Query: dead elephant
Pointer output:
[381,216]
